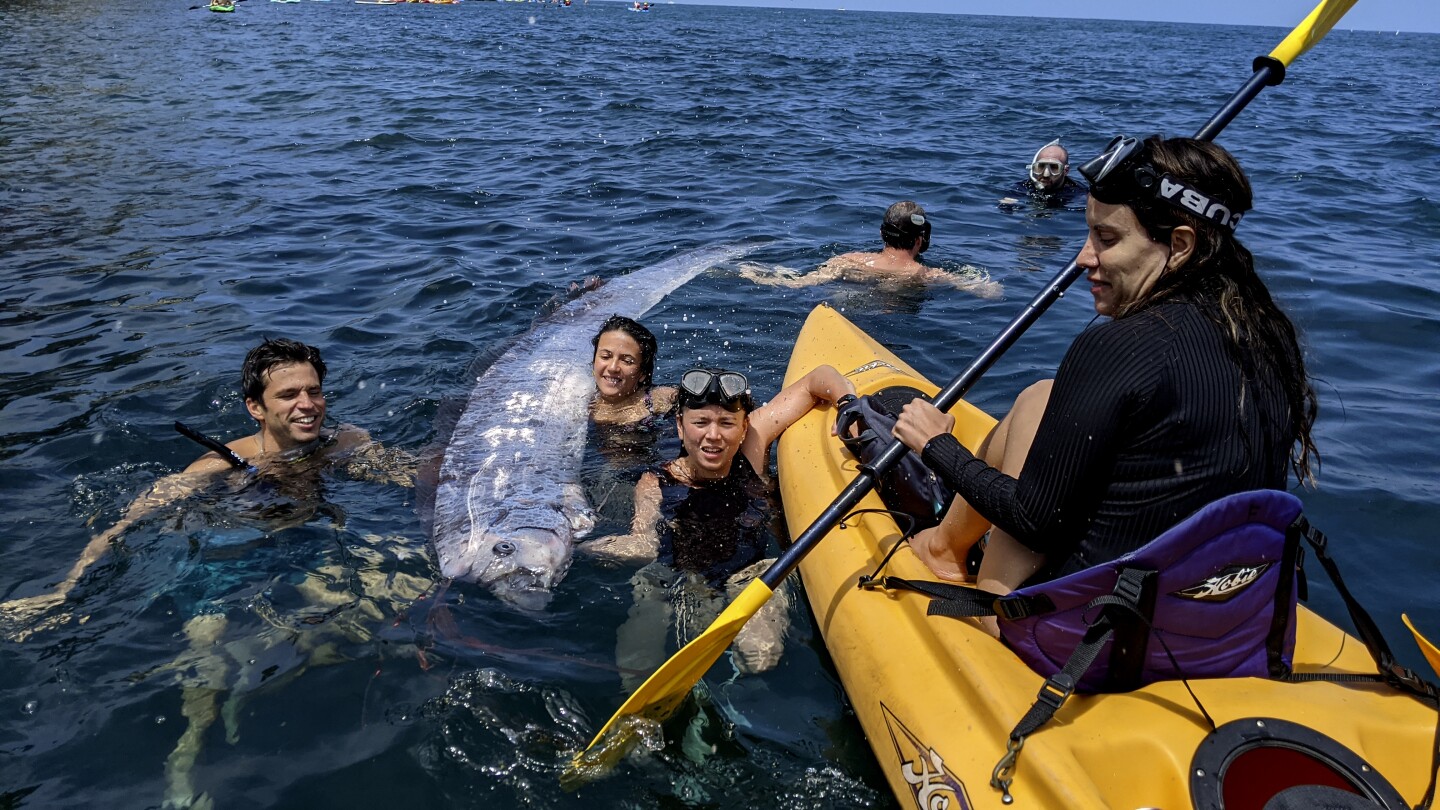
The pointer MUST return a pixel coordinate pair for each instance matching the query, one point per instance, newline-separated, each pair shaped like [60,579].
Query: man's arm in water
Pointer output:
[829,271]
[162,493]
[365,459]
[973,280]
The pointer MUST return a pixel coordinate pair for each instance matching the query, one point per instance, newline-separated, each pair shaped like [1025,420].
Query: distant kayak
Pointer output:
[222,9]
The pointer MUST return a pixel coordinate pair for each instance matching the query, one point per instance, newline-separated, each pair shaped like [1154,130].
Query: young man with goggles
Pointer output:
[702,520]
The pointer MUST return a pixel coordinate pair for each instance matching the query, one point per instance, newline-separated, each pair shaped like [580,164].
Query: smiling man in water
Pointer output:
[281,381]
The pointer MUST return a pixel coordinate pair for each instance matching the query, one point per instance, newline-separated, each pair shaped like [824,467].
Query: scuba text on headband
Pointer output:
[918,226]
[707,386]
[1122,174]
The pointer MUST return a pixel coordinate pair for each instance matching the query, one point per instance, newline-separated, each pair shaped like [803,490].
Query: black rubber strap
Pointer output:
[210,444]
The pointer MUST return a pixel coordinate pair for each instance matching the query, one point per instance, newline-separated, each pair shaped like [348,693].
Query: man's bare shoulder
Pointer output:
[246,448]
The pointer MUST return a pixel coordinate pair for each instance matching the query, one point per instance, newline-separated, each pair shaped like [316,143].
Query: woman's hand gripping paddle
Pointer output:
[667,688]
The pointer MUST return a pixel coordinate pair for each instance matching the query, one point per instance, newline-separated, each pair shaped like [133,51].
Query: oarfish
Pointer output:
[508,501]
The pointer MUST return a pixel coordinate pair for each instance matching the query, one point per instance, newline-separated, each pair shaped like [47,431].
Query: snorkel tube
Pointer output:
[210,444]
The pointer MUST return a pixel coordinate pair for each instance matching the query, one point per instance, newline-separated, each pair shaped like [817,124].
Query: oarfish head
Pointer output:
[519,561]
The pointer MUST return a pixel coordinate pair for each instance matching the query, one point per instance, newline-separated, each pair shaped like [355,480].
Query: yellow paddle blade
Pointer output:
[663,692]
[1311,30]
[1432,653]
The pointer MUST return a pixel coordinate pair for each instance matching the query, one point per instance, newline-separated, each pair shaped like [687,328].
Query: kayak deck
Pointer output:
[937,697]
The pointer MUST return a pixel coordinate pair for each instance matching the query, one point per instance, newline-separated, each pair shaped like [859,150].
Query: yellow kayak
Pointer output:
[937,696]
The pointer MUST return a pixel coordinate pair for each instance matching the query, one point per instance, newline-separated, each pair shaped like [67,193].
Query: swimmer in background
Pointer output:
[1049,184]
[905,231]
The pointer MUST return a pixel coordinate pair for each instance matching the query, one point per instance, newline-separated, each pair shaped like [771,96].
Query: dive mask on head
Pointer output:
[1124,175]
[705,386]
[918,226]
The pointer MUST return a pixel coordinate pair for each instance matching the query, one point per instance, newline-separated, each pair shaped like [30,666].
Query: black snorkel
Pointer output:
[210,444]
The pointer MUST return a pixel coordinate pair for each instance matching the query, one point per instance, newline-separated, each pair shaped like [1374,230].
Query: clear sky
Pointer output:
[1367,15]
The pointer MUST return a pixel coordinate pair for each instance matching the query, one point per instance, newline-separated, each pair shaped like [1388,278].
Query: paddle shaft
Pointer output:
[1268,72]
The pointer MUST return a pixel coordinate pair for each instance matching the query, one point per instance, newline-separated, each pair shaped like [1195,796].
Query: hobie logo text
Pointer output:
[1224,584]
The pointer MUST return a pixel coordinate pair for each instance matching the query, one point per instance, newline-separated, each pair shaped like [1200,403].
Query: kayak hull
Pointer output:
[937,697]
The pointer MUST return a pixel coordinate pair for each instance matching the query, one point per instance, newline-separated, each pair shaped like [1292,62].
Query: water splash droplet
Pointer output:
[30,707]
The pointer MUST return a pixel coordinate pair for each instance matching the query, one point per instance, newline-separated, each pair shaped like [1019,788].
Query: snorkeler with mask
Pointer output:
[1049,184]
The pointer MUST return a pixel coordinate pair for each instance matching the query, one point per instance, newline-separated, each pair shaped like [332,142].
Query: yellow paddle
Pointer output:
[1432,653]
[666,689]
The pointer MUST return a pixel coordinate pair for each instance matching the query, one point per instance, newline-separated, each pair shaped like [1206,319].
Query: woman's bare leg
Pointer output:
[1008,562]
[945,547]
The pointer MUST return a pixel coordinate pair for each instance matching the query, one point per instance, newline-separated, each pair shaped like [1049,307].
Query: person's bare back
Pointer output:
[906,232]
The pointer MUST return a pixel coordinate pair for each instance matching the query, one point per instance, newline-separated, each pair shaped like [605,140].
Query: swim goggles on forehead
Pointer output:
[919,225]
[713,387]
[1124,175]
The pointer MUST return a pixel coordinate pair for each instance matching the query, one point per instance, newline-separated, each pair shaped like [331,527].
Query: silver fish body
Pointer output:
[508,501]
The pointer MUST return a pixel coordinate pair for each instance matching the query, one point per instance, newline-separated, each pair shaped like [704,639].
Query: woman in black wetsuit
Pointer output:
[1193,390]
[703,518]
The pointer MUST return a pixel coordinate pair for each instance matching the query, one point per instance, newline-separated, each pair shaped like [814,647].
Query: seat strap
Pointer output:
[1058,687]
[1397,676]
[960,601]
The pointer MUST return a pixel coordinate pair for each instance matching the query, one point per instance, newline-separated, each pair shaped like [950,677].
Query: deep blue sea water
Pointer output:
[406,187]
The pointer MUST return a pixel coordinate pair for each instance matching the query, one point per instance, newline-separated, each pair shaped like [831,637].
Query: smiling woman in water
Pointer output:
[623,366]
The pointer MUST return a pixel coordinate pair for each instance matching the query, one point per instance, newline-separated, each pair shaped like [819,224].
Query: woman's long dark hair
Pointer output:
[1222,271]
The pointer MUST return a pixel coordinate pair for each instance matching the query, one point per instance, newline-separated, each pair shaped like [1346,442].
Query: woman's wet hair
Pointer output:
[1221,269]
[649,346]
[275,352]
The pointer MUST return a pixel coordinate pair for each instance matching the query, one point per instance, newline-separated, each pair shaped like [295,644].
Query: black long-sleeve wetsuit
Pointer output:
[1148,420]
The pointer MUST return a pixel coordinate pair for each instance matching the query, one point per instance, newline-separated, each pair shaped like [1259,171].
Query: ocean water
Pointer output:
[407,187]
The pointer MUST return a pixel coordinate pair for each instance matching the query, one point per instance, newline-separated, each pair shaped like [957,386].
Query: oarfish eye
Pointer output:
[504,548]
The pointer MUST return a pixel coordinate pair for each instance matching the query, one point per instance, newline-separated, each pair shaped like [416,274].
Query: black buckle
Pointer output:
[1056,690]
[1011,608]
[1130,587]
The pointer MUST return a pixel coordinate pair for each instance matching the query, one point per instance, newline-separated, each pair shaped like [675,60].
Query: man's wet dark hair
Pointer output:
[648,344]
[904,225]
[275,352]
